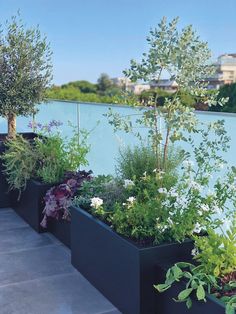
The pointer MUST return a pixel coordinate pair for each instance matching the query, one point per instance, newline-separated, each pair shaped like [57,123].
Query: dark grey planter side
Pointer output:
[122,271]
[168,305]
[31,204]
[61,229]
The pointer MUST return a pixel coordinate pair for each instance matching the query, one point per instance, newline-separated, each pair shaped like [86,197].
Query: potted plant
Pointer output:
[31,169]
[117,247]
[56,213]
[209,285]
[25,73]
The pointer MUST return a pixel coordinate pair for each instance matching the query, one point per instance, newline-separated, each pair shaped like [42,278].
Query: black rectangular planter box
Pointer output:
[167,305]
[61,230]
[30,206]
[5,198]
[122,271]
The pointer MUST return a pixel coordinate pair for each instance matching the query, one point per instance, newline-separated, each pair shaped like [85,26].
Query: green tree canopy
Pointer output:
[228,90]
[25,70]
[104,82]
[83,86]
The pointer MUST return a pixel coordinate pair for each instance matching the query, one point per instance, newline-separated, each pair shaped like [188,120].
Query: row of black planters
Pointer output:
[118,268]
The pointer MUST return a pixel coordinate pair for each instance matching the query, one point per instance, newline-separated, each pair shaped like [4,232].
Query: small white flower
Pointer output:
[128,183]
[131,199]
[194,185]
[197,228]
[188,164]
[173,192]
[162,190]
[154,170]
[96,202]
[205,207]
[194,252]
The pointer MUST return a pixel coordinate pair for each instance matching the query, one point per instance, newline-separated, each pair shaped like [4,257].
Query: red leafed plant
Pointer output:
[58,198]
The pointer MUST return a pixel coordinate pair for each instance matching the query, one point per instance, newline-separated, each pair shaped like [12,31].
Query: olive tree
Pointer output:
[25,70]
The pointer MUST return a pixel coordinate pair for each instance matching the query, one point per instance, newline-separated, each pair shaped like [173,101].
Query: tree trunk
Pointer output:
[11,120]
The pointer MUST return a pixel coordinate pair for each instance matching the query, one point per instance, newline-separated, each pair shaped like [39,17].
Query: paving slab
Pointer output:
[36,275]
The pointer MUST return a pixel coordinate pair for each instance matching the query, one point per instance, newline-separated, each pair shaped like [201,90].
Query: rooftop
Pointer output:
[36,268]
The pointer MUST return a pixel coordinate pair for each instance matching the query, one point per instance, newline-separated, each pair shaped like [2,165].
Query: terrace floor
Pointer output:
[36,276]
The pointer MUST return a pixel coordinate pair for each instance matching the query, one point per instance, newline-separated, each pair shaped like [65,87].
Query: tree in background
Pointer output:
[104,83]
[228,90]
[84,86]
[25,71]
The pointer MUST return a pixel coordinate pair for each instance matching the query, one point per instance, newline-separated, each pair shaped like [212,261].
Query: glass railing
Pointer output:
[105,144]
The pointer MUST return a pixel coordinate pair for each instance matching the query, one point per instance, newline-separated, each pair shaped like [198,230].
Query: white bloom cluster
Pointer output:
[197,228]
[130,201]
[162,190]
[188,164]
[194,185]
[194,252]
[96,202]
[128,183]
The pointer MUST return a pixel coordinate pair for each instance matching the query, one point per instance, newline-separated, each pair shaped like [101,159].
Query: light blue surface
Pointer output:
[104,143]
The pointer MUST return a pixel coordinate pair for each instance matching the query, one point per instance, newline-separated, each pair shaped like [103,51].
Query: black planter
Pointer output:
[5,198]
[167,305]
[4,195]
[122,271]
[30,206]
[61,230]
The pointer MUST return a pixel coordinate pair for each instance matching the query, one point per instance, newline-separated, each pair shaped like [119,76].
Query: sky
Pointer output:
[90,37]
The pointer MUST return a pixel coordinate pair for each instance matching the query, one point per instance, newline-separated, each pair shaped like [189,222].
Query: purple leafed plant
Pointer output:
[58,198]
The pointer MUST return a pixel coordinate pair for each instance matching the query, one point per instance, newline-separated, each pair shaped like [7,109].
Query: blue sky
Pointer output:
[89,37]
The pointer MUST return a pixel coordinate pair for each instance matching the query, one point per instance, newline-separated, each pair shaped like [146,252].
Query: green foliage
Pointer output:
[104,83]
[133,163]
[84,86]
[19,162]
[215,272]
[46,158]
[73,93]
[186,58]
[109,189]
[25,68]
[229,91]
[217,252]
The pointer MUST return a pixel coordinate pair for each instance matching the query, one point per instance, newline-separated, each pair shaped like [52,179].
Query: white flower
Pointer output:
[194,185]
[96,202]
[162,190]
[154,170]
[131,199]
[170,221]
[173,193]
[188,164]
[128,183]
[205,207]
[194,252]
[197,228]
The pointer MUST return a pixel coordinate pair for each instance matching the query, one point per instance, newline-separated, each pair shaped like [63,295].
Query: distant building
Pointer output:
[126,83]
[225,71]
[165,84]
[137,89]
[121,81]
